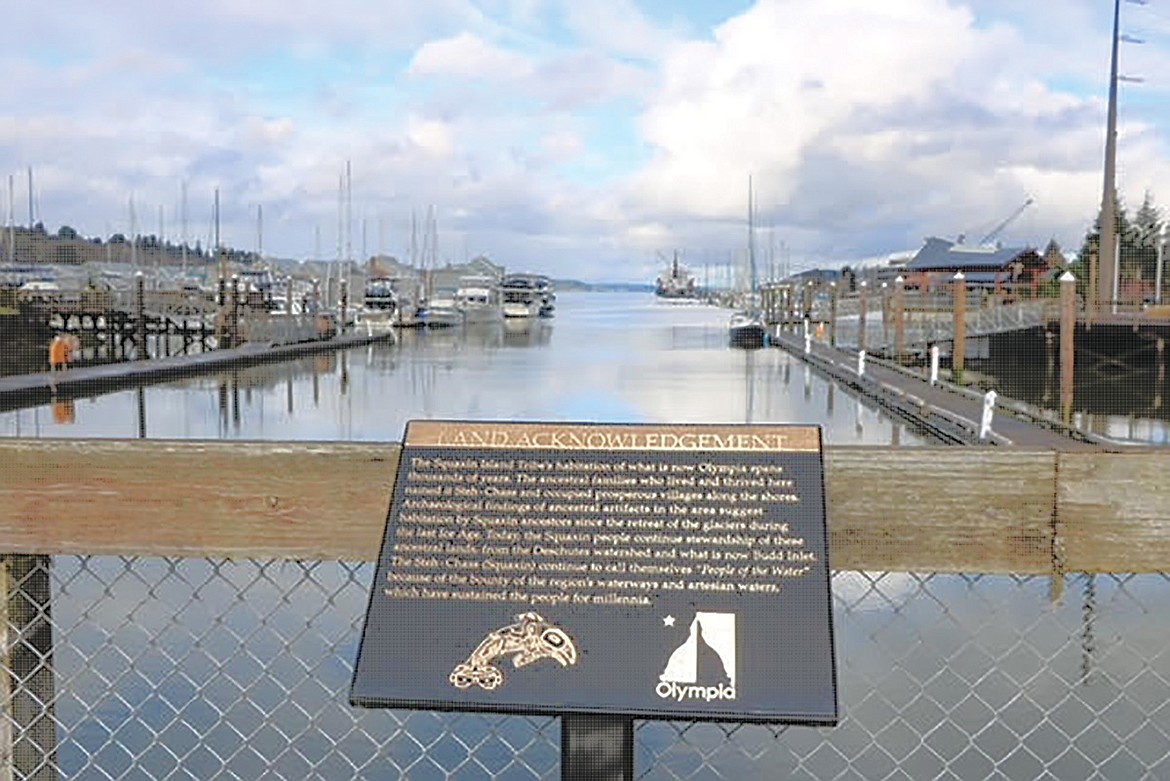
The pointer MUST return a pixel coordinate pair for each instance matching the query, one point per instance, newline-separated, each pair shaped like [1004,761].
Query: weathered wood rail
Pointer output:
[993,510]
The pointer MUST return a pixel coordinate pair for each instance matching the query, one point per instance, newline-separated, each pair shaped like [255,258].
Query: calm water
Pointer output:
[1118,392]
[202,668]
[604,358]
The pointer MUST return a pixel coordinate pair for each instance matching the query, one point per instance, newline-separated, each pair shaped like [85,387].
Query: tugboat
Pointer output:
[676,283]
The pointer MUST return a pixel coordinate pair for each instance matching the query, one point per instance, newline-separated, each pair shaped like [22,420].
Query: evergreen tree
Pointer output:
[1092,243]
[1141,261]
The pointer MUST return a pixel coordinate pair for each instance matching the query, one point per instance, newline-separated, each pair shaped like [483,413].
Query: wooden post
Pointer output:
[959,345]
[1049,366]
[27,666]
[597,748]
[833,314]
[140,314]
[863,304]
[234,319]
[221,321]
[886,316]
[899,319]
[1068,324]
[1160,344]
[141,412]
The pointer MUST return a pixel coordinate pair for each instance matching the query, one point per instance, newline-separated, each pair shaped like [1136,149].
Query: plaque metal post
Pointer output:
[597,747]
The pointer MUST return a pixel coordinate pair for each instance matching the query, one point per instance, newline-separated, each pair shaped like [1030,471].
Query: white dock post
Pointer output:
[988,413]
[860,363]
[807,341]
[933,364]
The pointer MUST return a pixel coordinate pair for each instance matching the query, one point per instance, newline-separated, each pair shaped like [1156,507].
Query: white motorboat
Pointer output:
[379,306]
[521,297]
[548,298]
[478,297]
[440,310]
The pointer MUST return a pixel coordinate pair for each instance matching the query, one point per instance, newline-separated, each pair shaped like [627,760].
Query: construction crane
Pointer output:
[1012,218]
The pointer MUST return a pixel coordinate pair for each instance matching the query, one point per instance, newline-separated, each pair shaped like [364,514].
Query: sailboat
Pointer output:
[747,328]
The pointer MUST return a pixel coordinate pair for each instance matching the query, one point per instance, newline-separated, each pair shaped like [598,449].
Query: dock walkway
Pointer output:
[26,390]
[947,413]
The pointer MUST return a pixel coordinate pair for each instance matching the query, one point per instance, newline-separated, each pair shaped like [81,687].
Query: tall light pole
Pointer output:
[1104,277]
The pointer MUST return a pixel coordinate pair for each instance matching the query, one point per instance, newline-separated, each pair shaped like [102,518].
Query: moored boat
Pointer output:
[747,329]
[520,296]
[676,283]
[440,310]
[379,305]
[548,298]
[478,298]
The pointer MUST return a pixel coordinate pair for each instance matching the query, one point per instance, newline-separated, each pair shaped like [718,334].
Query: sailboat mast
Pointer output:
[413,239]
[183,222]
[12,221]
[133,236]
[348,227]
[751,237]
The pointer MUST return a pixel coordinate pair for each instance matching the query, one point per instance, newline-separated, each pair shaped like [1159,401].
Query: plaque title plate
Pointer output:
[655,571]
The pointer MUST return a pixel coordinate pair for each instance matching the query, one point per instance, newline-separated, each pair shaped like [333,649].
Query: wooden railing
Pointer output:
[993,510]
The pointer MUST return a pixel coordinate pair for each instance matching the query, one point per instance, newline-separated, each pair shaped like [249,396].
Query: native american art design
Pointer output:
[529,639]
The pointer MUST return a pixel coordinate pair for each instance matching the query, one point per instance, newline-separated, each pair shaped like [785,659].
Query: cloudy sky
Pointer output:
[583,138]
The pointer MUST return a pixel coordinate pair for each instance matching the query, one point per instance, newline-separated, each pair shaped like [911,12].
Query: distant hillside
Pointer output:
[67,247]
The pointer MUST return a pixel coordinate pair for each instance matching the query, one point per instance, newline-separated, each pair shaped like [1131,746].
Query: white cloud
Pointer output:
[562,145]
[866,124]
[470,57]
[431,135]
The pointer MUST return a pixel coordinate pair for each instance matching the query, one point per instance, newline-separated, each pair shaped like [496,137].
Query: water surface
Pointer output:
[605,358]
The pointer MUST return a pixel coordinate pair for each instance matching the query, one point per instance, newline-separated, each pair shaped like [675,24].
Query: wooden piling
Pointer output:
[833,293]
[140,315]
[1160,344]
[234,319]
[959,346]
[861,317]
[899,319]
[887,315]
[222,316]
[1068,324]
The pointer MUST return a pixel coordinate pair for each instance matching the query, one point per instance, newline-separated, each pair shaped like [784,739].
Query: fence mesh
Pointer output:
[240,669]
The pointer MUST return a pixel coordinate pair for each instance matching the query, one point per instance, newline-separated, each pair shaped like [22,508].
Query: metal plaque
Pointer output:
[653,571]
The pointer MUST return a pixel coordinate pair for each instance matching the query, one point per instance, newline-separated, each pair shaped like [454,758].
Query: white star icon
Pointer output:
[668,621]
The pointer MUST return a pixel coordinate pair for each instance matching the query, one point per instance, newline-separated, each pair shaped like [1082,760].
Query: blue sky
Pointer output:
[583,139]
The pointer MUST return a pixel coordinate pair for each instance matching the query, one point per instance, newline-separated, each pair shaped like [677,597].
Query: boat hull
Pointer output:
[747,331]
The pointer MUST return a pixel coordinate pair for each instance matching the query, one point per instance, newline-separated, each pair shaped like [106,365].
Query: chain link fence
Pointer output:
[239,669]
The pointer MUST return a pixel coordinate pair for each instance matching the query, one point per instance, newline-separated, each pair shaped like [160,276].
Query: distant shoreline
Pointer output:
[573,285]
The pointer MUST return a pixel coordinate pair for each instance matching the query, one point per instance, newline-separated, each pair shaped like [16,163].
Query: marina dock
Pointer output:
[947,413]
[42,387]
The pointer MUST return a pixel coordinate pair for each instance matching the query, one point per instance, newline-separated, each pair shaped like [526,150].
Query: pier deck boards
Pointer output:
[946,413]
[32,389]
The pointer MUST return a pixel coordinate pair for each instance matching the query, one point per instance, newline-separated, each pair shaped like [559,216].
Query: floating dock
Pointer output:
[29,390]
[946,413]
